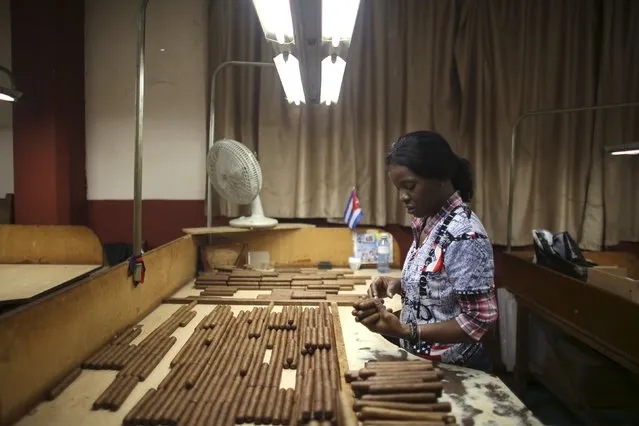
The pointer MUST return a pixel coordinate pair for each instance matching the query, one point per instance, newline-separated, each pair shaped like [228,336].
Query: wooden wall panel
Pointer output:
[601,317]
[42,342]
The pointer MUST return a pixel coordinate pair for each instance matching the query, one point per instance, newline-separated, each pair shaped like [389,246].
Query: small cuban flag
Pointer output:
[353,213]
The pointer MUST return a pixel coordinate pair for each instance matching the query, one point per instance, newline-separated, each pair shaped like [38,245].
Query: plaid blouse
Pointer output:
[450,276]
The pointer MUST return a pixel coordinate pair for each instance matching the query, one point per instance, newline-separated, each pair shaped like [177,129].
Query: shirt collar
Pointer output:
[424,225]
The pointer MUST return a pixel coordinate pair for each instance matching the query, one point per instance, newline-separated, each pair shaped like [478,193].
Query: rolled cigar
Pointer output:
[181,408]
[102,361]
[401,423]
[418,397]
[128,336]
[374,413]
[351,376]
[133,415]
[307,402]
[187,318]
[123,393]
[320,337]
[391,364]
[163,412]
[278,406]
[290,352]
[327,394]
[287,408]
[63,384]
[155,360]
[115,363]
[386,387]
[318,394]
[422,375]
[438,406]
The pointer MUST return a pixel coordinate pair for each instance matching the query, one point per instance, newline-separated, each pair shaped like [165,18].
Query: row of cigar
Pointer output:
[135,362]
[219,376]
[401,393]
[317,377]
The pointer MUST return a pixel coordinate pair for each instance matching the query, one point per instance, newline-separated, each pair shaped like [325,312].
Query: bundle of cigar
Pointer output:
[399,393]
[219,377]
[135,362]
[226,281]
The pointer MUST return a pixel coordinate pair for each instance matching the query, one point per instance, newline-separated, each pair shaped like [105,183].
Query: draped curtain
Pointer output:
[466,69]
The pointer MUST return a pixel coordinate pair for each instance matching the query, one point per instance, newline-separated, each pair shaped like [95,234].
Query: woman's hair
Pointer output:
[427,154]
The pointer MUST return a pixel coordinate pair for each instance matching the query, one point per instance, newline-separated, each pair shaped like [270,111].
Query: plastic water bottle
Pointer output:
[383,253]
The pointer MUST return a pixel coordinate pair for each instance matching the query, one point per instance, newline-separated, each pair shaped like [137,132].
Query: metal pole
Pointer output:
[513,146]
[139,127]
[211,136]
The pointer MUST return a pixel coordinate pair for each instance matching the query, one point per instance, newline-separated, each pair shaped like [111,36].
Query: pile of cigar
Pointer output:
[135,362]
[225,282]
[401,393]
[220,376]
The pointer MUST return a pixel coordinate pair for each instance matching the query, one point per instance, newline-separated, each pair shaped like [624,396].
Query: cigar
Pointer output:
[287,407]
[187,319]
[133,415]
[373,413]
[318,395]
[290,353]
[278,406]
[328,399]
[320,337]
[399,364]
[425,376]
[402,397]
[270,339]
[401,423]
[63,384]
[125,390]
[438,406]
[307,397]
[407,387]
[156,358]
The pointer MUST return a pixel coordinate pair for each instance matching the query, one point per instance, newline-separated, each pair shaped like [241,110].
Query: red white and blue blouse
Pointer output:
[450,276]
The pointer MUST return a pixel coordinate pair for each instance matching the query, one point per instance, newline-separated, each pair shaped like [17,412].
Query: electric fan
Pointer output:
[236,175]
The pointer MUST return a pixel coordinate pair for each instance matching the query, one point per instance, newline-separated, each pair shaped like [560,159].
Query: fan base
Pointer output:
[253,222]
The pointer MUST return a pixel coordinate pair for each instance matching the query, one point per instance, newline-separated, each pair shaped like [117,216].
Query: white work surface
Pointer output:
[24,281]
[477,398]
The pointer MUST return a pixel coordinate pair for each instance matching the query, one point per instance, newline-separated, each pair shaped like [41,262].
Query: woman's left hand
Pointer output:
[384,322]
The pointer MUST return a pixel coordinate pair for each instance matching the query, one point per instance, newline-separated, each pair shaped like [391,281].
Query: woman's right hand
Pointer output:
[385,287]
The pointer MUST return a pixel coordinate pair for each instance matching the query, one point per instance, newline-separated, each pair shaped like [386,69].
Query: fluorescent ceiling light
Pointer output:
[625,149]
[338,20]
[288,68]
[276,20]
[332,75]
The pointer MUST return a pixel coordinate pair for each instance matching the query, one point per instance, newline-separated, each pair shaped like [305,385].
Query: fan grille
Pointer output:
[234,171]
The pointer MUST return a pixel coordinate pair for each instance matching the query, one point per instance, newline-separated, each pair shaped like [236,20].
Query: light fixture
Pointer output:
[9,94]
[338,20]
[332,74]
[288,68]
[624,149]
[276,20]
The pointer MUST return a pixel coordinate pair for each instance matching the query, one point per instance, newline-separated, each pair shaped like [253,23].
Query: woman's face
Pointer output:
[421,197]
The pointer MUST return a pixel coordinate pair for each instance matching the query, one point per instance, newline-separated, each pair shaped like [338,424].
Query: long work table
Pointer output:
[475,397]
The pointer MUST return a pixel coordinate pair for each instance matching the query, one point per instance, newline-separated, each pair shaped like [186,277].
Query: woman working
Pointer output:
[447,288]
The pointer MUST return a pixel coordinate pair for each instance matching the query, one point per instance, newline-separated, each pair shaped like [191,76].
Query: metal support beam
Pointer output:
[139,127]
[513,149]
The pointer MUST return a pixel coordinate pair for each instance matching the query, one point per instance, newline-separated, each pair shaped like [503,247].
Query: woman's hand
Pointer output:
[384,322]
[385,287]
[377,318]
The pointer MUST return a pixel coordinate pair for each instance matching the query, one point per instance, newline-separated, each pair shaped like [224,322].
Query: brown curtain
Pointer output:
[466,69]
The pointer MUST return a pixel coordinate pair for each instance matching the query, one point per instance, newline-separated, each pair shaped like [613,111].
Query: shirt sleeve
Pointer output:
[471,271]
